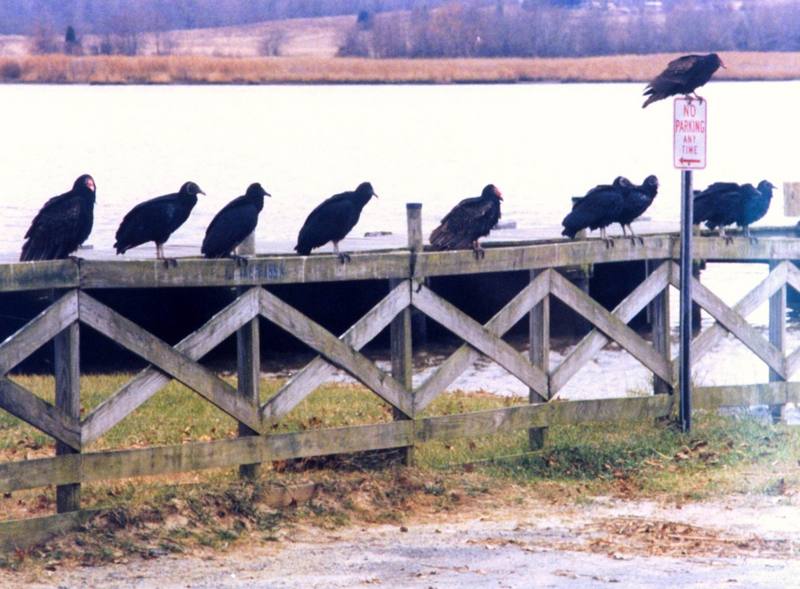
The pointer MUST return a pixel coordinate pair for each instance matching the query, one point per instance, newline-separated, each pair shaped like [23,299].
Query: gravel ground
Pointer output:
[741,542]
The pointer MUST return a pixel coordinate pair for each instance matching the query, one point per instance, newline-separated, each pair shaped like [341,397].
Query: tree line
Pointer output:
[542,29]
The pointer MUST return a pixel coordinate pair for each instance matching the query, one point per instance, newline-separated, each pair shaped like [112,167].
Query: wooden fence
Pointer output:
[406,270]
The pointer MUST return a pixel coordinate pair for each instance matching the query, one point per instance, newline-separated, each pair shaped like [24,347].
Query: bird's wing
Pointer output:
[468,220]
[229,228]
[54,232]
[326,222]
[57,209]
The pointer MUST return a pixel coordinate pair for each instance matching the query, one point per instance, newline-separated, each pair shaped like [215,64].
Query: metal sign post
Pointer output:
[689,153]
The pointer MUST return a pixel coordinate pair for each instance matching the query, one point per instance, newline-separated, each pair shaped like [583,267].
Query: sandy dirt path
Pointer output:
[741,542]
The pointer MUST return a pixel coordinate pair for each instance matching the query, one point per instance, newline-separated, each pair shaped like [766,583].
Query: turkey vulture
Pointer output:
[333,219]
[683,76]
[234,223]
[156,219]
[637,200]
[726,203]
[601,207]
[469,220]
[62,224]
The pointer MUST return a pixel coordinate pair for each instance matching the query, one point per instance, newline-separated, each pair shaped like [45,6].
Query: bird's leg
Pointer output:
[728,239]
[478,251]
[748,236]
[609,242]
[160,256]
[634,237]
[343,258]
[698,97]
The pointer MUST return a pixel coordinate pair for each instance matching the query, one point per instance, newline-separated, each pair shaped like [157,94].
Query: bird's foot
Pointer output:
[74,258]
[634,240]
[344,258]
[641,240]
[241,261]
[170,262]
[478,252]
[753,239]
[728,239]
[609,241]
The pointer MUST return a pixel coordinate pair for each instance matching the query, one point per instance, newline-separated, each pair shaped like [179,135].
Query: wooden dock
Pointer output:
[74,306]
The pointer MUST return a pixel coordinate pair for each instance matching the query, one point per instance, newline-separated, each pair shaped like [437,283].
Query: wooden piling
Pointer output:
[68,403]
[660,329]
[539,354]
[400,330]
[248,363]
[777,330]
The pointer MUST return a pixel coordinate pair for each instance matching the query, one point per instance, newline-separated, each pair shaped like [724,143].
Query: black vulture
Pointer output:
[637,200]
[683,76]
[468,221]
[726,203]
[600,208]
[333,219]
[234,223]
[156,219]
[62,224]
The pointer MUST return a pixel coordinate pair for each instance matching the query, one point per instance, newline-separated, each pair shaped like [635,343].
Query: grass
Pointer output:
[214,509]
[198,69]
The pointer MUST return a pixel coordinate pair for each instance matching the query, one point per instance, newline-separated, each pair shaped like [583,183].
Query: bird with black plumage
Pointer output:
[683,76]
[231,225]
[468,221]
[62,224]
[599,208]
[727,203]
[333,219]
[156,219]
[637,199]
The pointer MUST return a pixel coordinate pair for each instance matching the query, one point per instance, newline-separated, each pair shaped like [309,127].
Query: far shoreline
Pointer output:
[204,70]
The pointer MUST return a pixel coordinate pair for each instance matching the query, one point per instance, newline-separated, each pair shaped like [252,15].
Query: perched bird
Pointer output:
[637,200]
[683,76]
[62,224]
[726,203]
[156,219]
[468,221]
[333,219]
[234,223]
[601,207]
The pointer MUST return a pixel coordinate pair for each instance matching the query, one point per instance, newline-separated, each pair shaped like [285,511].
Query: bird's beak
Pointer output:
[267,194]
[723,65]
[201,192]
[375,194]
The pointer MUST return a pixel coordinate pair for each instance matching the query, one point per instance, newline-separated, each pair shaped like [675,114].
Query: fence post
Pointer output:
[777,329]
[659,325]
[400,329]
[68,401]
[248,362]
[539,354]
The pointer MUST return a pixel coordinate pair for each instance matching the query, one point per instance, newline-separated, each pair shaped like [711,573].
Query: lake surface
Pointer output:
[540,143]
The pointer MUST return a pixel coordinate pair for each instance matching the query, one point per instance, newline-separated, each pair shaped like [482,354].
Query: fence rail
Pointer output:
[406,269]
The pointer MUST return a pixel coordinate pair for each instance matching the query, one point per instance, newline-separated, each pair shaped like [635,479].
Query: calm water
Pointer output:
[540,143]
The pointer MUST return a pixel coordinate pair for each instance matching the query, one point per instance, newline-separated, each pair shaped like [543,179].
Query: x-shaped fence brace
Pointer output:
[181,361]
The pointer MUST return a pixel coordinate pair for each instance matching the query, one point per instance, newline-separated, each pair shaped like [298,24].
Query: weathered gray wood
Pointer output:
[39,275]
[773,249]
[479,337]
[539,355]
[38,331]
[738,326]
[248,371]
[68,402]
[318,370]
[466,355]
[773,393]
[594,341]
[43,416]
[493,421]
[661,329]
[22,534]
[315,336]
[151,380]
[610,325]
[264,270]
[709,338]
[541,256]
[179,366]
[118,464]
[777,330]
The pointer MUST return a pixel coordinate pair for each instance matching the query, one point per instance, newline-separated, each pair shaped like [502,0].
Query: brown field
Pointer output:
[186,69]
